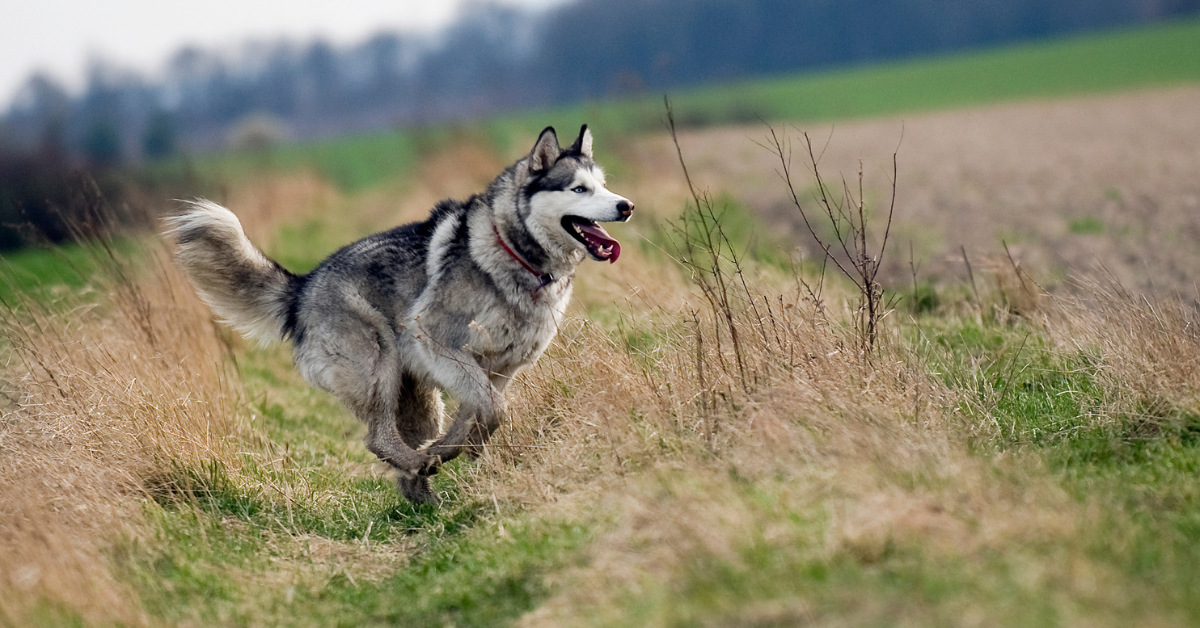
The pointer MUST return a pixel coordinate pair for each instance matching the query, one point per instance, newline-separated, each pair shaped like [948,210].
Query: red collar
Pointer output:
[544,279]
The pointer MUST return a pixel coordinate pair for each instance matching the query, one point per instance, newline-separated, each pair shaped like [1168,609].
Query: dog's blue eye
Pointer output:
[579,189]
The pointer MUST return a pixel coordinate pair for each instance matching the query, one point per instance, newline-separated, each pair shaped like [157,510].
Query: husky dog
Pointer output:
[459,303]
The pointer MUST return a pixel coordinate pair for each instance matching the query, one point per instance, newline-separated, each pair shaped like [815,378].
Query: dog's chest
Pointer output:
[511,338]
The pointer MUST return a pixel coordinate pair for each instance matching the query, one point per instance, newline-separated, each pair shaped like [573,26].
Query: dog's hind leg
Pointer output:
[379,410]
[354,358]
[419,413]
[386,441]
[418,420]
[413,467]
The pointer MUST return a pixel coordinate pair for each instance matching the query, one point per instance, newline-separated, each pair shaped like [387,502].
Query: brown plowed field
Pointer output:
[1069,185]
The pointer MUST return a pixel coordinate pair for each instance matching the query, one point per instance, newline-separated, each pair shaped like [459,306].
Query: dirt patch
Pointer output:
[1111,180]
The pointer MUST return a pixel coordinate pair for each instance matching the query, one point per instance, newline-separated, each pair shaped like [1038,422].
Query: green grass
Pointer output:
[39,270]
[221,541]
[46,272]
[1029,391]
[215,567]
[1151,56]
[1106,62]
[353,163]
[1086,225]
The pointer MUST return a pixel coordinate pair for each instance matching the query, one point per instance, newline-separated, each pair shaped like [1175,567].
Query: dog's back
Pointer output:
[387,270]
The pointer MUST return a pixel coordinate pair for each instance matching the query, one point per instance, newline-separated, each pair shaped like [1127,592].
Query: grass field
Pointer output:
[1004,456]
[1006,459]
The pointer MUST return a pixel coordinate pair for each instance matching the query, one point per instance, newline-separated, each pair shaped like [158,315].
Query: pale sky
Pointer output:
[59,36]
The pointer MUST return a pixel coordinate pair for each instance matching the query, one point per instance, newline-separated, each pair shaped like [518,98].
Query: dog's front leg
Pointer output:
[481,403]
[486,424]
[468,434]
[473,424]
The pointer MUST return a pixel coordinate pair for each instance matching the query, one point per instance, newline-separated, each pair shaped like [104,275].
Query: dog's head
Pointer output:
[563,199]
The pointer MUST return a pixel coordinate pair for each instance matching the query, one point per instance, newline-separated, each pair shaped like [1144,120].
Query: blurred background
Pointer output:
[128,81]
[91,87]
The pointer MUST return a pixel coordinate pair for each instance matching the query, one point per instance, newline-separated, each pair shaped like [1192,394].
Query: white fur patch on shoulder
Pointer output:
[442,235]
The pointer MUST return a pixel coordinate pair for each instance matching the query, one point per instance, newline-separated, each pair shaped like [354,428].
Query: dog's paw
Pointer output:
[416,489]
[430,467]
[421,464]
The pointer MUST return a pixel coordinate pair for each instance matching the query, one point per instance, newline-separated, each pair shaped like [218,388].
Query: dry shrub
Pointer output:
[106,398]
[1143,351]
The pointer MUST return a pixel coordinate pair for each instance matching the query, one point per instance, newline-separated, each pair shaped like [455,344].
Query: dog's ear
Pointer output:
[583,144]
[545,151]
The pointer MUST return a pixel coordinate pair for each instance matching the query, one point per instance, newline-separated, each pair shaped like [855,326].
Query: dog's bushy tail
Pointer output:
[246,289]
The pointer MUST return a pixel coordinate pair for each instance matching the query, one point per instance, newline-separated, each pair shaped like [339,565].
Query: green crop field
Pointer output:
[1153,56]
[1093,64]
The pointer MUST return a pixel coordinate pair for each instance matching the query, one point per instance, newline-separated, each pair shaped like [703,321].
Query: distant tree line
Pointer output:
[497,57]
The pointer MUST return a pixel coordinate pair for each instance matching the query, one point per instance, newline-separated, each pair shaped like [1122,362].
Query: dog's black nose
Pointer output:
[626,208]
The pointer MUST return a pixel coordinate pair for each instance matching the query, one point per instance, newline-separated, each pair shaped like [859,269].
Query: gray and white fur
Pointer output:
[460,302]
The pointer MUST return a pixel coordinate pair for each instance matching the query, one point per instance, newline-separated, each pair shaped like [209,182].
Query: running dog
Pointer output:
[460,302]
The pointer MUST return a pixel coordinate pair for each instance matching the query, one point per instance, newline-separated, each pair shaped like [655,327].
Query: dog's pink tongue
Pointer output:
[600,243]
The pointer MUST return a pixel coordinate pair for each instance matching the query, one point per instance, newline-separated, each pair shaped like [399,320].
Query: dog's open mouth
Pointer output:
[599,244]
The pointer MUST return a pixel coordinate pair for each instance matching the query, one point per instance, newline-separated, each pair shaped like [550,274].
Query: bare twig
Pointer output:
[970,273]
[705,258]
[1017,269]
[847,217]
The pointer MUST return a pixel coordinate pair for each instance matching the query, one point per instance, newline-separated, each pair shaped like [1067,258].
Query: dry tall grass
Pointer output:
[1144,352]
[652,428]
[106,396]
[663,422]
